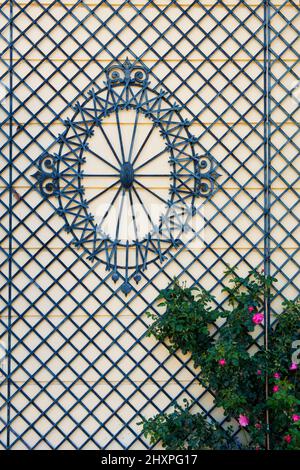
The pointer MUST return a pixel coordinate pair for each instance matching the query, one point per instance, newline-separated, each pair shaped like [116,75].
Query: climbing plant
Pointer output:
[254,384]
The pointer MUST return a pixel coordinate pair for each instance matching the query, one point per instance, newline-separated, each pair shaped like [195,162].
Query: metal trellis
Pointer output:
[79,371]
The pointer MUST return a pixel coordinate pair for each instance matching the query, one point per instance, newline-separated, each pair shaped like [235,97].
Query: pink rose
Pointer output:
[259,372]
[276,375]
[293,366]
[288,438]
[275,388]
[250,309]
[222,362]
[258,318]
[243,420]
[295,418]
[258,426]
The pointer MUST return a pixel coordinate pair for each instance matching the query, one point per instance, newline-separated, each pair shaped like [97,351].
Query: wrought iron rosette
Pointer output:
[102,172]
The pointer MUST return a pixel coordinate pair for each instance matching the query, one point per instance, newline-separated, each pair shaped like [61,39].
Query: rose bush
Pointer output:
[249,380]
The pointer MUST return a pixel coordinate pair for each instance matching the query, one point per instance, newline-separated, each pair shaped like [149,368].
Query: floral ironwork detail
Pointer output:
[127,87]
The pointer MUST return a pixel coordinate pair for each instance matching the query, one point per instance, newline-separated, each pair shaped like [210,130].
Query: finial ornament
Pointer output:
[126,73]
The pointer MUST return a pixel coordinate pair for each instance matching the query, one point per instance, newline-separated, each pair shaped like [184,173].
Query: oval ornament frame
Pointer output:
[127,86]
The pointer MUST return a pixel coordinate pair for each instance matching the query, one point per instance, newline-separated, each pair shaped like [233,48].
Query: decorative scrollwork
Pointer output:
[190,175]
[46,175]
[207,175]
[125,73]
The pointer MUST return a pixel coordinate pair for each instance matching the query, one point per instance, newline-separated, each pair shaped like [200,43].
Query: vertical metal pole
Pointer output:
[267,182]
[10,249]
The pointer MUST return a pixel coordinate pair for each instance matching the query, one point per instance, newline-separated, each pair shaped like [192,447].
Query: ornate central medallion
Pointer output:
[126,174]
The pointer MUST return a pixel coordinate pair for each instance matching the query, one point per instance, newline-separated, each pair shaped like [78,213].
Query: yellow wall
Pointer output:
[136,370]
